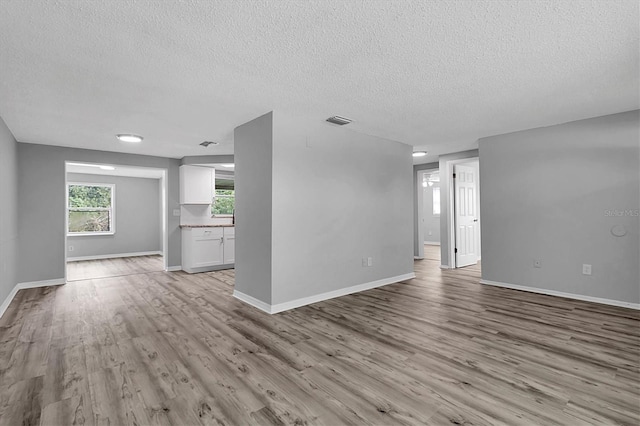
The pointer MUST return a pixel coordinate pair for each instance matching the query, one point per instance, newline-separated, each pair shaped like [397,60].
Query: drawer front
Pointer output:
[206,233]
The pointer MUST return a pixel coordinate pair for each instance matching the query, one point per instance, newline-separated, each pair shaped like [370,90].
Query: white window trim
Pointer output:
[112,209]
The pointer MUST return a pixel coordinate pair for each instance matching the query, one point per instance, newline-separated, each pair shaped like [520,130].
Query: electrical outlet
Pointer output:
[586,269]
[176,212]
[70,248]
[369,261]
[537,263]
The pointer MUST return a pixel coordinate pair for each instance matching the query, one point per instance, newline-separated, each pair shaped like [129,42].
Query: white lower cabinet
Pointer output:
[229,245]
[208,249]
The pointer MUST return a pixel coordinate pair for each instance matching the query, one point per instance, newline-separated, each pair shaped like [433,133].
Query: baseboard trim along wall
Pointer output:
[174,268]
[562,294]
[432,243]
[445,267]
[23,286]
[263,306]
[281,307]
[114,256]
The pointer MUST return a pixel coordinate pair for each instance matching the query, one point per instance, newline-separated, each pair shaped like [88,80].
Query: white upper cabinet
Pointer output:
[196,184]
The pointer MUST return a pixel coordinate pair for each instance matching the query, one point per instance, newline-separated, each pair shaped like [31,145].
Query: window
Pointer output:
[436,200]
[225,198]
[90,208]
[224,202]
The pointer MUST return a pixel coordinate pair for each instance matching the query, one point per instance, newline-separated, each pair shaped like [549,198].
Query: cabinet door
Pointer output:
[196,184]
[229,245]
[207,247]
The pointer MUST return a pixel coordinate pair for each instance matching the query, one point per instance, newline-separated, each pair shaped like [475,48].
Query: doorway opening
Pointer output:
[115,220]
[430,186]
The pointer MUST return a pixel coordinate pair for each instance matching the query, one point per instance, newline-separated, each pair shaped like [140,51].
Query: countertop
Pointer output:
[227,225]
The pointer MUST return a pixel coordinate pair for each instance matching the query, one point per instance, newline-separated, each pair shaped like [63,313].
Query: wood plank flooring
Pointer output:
[172,348]
[103,268]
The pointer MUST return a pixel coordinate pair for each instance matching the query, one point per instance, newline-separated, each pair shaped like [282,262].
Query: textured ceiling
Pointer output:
[436,75]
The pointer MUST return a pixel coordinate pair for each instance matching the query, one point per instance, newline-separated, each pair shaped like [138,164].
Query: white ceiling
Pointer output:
[434,74]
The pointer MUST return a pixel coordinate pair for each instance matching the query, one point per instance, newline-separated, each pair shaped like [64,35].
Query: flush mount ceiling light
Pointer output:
[129,138]
[340,121]
[419,153]
[207,143]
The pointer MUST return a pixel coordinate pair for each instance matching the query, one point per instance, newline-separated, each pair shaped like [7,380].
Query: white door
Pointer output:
[466,216]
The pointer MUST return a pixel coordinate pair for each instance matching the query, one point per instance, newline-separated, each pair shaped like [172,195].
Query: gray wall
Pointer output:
[8,211]
[137,218]
[418,207]
[338,196]
[335,197]
[431,222]
[446,171]
[253,147]
[41,182]
[546,194]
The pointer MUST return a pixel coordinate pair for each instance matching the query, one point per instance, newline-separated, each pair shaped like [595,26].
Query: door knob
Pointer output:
[475,220]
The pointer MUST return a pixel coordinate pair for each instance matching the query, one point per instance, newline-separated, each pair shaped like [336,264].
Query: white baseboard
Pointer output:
[562,294]
[281,307]
[445,267]
[22,286]
[43,283]
[417,258]
[432,243]
[8,300]
[174,268]
[114,256]
[263,306]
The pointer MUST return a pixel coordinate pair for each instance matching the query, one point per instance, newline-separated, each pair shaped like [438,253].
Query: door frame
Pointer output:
[420,215]
[164,219]
[418,206]
[451,213]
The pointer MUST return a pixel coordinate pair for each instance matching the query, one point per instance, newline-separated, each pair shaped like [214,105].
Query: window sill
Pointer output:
[221,215]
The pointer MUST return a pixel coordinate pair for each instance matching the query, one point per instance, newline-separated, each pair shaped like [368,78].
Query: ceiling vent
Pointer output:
[340,121]
[207,143]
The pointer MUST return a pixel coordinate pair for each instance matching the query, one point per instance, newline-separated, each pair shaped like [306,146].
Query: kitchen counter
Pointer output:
[226,225]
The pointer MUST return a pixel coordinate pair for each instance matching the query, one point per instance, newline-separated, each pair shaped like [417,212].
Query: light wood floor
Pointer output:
[103,268]
[172,348]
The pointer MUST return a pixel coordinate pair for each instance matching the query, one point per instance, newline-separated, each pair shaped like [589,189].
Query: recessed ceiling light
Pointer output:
[419,153]
[228,165]
[129,138]
[340,121]
[207,143]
